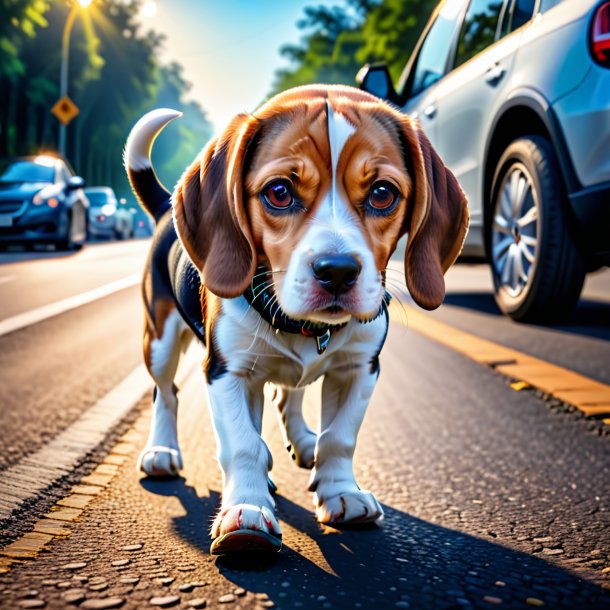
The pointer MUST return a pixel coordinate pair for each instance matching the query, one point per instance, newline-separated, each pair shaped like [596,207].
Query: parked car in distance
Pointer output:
[143,224]
[107,216]
[42,201]
[514,95]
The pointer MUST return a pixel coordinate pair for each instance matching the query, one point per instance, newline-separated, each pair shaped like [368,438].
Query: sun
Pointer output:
[149,9]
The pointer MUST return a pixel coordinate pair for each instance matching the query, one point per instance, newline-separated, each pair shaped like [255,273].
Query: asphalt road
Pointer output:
[493,498]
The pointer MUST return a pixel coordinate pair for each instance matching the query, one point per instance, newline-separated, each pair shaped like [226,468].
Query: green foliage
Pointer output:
[339,40]
[115,76]
[19,20]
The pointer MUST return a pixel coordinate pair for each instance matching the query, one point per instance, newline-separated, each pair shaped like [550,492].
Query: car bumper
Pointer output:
[102,228]
[34,225]
[584,115]
[591,208]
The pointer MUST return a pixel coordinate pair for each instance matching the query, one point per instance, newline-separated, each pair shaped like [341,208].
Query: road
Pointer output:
[493,497]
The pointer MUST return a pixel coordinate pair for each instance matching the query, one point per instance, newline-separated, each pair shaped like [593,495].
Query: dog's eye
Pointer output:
[278,194]
[383,195]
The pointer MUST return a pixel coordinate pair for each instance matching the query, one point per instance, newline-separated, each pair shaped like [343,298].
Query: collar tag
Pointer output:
[322,342]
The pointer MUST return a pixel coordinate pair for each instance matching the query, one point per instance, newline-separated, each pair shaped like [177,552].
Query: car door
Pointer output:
[467,98]
[431,61]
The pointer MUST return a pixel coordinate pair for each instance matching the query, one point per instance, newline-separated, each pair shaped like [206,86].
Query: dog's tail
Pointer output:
[151,194]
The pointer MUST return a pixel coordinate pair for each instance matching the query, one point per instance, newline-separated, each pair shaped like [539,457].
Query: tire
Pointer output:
[67,241]
[537,267]
[64,242]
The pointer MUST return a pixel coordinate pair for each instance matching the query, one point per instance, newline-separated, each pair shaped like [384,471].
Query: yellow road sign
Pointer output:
[65,109]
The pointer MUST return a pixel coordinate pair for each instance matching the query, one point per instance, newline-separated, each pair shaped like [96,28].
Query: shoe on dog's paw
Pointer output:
[160,461]
[350,508]
[245,527]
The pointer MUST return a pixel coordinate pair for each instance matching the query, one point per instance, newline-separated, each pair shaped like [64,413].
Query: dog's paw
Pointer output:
[160,461]
[350,508]
[302,451]
[245,527]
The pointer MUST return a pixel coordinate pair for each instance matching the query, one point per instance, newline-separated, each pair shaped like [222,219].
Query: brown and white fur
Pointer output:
[330,145]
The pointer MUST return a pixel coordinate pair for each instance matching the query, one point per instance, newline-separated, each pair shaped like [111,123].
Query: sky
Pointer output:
[229,49]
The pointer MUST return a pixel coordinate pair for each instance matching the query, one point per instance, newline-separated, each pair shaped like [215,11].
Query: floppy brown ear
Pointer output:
[209,212]
[438,220]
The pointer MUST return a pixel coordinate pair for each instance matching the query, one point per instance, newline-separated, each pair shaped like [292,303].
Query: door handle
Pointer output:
[494,74]
[430,111]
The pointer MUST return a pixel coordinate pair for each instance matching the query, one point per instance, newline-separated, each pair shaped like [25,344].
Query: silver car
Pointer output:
[515,96]
[108,217]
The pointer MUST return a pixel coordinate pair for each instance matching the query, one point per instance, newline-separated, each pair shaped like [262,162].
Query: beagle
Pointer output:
[272,251]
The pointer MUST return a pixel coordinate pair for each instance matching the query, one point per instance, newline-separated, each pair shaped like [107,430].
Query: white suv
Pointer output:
[515,96]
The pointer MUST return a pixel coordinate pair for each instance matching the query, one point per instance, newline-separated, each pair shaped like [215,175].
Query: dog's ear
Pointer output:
[210,215]
[437,221]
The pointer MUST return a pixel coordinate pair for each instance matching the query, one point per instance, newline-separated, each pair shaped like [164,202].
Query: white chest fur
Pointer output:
[252,348]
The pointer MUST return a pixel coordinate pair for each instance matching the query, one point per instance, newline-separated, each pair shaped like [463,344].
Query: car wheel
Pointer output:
[537,267]
[70,230]
[81,229]
[64,242]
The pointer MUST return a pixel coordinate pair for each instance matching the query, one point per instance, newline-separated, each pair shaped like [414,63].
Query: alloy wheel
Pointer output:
[514,235]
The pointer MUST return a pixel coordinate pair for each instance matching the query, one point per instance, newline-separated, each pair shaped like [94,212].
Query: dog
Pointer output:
[272,251]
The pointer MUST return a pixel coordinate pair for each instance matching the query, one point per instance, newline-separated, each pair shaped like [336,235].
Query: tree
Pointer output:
[19,23]
[19,20]
[115,77]
[339,40]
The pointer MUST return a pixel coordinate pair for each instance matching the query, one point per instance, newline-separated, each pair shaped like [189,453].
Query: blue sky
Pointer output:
[229,48]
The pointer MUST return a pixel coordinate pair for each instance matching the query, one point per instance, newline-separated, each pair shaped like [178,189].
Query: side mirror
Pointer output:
[76,182]
[376,79]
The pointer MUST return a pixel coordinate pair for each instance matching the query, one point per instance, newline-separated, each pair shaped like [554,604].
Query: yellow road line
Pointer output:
[589,396]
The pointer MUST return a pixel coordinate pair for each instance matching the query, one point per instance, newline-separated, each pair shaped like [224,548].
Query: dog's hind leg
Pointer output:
[299,438]
[162,347]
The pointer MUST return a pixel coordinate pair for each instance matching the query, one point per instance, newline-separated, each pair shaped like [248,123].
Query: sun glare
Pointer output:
[149,9]
[45,160]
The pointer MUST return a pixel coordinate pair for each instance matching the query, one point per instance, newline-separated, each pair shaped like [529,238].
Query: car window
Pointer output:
[431,63]
[478,30]
[26,171]
[98,197]
[518,13]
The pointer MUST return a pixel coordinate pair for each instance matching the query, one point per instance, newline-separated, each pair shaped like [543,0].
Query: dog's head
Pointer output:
[320,184]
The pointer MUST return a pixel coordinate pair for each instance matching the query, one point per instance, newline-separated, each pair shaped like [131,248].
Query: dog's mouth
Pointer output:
[331,314]
[334,309]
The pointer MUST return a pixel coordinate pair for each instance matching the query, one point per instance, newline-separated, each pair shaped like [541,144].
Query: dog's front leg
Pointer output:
[338,498]
[246,520]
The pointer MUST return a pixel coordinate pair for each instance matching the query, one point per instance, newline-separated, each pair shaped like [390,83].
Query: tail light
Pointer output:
[600,35]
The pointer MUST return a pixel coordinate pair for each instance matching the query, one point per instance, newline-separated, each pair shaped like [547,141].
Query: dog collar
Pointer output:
[261,297]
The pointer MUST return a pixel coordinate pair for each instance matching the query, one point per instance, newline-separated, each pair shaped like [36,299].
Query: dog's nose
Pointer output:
[336,273]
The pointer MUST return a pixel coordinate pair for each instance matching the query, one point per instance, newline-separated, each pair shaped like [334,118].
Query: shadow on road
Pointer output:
[18,254]
[41,253]
[590,318]
[406,563]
